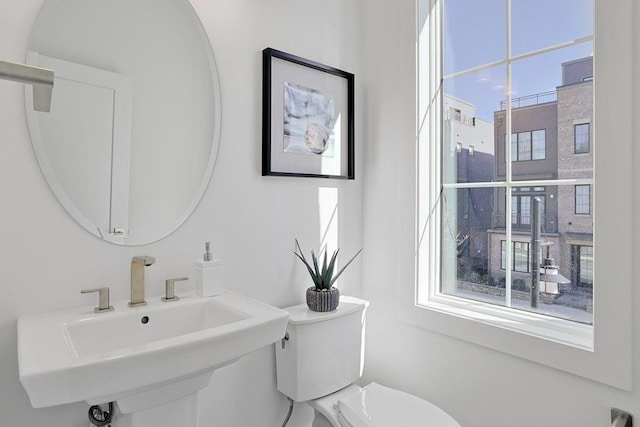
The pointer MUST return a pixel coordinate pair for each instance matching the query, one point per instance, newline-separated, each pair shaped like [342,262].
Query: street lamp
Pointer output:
[544,274]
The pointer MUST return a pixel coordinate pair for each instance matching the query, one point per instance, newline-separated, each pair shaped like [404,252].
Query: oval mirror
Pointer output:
[131,140]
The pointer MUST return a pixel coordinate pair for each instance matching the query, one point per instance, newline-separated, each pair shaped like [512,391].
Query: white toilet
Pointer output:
[320,358]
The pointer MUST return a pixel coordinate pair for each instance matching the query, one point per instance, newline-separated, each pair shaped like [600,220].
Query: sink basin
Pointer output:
[141,356]
[126,332]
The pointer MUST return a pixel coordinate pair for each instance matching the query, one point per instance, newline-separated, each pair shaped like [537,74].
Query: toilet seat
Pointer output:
[328,405]
[379,406]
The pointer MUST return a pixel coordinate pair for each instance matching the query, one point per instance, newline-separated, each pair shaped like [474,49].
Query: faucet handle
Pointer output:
[170,289]
[103,299]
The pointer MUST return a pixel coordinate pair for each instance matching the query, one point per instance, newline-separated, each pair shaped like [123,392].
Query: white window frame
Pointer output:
[587,351]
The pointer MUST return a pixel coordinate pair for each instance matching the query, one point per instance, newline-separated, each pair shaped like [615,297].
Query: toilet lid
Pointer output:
[379,406]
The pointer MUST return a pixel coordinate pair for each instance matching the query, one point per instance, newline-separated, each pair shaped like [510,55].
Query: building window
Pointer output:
[538,144]
[582,265]
[529,145]
[520,256]
[581,134]
[583,199]
[521,210]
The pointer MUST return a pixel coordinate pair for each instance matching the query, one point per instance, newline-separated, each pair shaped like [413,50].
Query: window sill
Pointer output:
[561,344]
[560,331]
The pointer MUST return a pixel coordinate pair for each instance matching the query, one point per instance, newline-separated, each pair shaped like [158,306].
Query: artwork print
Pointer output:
[309,120]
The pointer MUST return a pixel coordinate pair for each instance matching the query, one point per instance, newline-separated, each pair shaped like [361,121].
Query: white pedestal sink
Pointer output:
[151,360]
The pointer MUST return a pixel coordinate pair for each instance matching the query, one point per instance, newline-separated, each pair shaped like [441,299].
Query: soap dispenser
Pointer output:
[208,274]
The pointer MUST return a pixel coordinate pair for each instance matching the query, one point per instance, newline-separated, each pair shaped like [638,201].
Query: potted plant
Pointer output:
[322,296]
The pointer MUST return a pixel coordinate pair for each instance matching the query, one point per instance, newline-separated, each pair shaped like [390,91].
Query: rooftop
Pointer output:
[529,100]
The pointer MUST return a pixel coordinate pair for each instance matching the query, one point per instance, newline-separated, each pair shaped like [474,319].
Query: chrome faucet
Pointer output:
[138,263]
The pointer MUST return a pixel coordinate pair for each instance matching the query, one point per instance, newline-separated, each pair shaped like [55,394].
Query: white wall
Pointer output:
[479,386]
[46,258]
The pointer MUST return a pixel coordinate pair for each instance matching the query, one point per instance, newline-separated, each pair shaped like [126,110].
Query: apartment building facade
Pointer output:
[551,139]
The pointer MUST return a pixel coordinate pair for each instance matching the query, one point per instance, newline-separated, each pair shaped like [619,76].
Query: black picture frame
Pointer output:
[326,147]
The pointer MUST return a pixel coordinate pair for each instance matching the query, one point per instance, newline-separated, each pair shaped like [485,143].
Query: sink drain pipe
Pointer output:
[100,418]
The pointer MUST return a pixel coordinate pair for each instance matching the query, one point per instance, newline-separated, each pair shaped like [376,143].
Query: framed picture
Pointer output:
[307,118]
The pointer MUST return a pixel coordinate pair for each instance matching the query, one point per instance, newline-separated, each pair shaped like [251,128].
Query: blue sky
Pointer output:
[475,34]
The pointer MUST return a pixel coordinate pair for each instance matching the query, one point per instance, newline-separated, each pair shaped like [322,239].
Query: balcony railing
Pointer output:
[457,116]
[529,100]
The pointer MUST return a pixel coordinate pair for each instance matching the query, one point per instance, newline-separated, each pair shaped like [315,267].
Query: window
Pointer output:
[521,210]
[522,199]
[545,118]
[538,145]
[583,203]
[501,322]
[582,274]
[528,146]
[456,113]
[581,138]
[520,256]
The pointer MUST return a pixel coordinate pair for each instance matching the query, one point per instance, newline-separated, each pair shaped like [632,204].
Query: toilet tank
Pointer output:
[324,352]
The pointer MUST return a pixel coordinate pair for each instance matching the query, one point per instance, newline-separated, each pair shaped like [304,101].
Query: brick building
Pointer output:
[551,139]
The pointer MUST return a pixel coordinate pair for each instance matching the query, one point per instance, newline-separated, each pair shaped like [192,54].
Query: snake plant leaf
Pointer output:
[324,264]
[301,254]
[345,266]
[315,264]
[324,284]
[327,279]
[309,269]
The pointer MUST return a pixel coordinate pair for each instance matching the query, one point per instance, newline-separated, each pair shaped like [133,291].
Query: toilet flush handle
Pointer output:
[286,338]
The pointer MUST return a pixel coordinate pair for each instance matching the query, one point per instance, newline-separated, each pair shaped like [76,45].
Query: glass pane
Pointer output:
[585,266]
[566,256]
[514,147]
[475,33]
[538,144]
[534,77]
[524,146]
[525,210]
[551,92]
[543,23]
[521,257]
[581,136]
[583,203]
[470,269]
[565,283]
[468,125]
